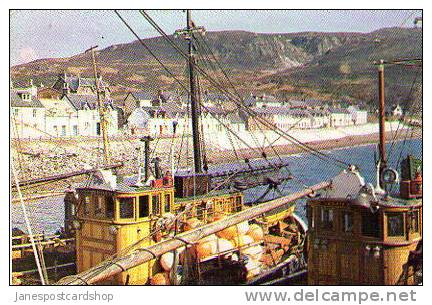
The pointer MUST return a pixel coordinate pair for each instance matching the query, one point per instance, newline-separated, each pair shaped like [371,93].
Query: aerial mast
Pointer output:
[102,109]
[188,34]
[382,147]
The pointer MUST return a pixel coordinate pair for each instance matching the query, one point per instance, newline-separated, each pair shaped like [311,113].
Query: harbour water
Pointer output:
[46,215]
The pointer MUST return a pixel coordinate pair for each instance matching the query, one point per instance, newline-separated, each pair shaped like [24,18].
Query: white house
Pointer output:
[88,117]
[28,115]
[359,116]
[340,117]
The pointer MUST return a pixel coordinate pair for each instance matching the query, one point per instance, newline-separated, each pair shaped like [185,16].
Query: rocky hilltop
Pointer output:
[310,63]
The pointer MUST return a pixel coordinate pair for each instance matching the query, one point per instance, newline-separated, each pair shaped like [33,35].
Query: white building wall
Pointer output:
[29,122]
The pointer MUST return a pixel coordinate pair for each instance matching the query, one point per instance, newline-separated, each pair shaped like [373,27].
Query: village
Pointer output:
[69,108]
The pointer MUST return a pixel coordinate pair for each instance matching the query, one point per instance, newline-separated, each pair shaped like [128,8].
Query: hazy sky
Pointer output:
[40,34]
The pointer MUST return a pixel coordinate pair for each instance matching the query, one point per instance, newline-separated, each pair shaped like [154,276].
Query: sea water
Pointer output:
[47,215]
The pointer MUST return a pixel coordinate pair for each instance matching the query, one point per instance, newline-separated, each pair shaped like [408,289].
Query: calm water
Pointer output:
[47,215]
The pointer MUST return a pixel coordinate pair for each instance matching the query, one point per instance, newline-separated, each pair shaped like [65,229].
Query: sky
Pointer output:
[38,34]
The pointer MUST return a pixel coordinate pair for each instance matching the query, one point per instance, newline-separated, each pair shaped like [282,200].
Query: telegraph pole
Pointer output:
[195,105]
[102,110]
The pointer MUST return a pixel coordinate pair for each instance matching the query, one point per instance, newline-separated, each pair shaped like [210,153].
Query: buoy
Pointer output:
[212,237]
[228,233]
[206,249]
[253,268]
[160,279]
[192,223]
[243,227]
[224,245]
[256,232]
[255,252]
[242,240]
[167,261]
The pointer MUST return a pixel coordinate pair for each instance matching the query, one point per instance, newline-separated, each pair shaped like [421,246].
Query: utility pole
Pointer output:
[381,93]
[188,34]
[102,110]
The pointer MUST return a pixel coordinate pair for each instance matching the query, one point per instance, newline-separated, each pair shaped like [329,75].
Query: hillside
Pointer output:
[311,64]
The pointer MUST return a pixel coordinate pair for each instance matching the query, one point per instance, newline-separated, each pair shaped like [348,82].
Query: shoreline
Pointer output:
[220,157]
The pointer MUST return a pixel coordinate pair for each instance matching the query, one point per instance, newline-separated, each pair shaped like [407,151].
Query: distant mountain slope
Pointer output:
[255,61]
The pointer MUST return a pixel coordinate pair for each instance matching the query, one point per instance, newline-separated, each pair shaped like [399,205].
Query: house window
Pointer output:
[75,130]
[370,225]
[156,208]
[16,111]
[143,206]
[34,113]
[127,207]
[63,130]
[348,222]
[395,224]
[327,219]
[55,130]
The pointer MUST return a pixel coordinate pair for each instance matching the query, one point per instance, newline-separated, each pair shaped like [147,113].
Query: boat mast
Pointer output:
[102,112]
[382,147]
[195,105]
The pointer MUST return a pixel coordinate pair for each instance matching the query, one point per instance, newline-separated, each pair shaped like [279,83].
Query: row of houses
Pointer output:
[166,114]
[69,108]
[50,112]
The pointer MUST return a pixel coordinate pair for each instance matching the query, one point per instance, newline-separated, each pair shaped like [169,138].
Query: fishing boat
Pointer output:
[168,226]
[364,234]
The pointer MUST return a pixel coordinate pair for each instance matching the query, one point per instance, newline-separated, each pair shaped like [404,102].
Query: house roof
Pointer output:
[339,110]
[142,95]
[17,101]
[306,103]
[74,82]
[81,101]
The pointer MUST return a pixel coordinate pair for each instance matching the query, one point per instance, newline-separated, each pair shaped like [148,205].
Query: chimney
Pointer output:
[66,88]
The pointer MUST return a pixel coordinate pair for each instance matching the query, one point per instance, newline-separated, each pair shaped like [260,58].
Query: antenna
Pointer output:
[102,109]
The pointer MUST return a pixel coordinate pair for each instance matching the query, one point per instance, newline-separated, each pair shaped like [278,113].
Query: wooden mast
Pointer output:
[195,111]
[382,147]
[102,110]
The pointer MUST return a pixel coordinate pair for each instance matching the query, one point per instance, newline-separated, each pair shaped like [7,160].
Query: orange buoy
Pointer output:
[224,245]
[243,227]
[256,232]
[167,261]
[160,279]
[192,223]
[206,249]
[242,240]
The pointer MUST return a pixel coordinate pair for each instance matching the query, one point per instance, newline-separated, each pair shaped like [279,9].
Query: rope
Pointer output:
[27,222]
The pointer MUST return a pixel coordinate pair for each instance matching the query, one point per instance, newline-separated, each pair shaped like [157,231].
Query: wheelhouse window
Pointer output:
[156,208]
[395,224]
[370,225]
[86,205]
[126,207]
[99,206]
[200,210]
[348,222]
[414,221]
[143,210]
[327,219]
[238,204]
[109,211]
[167,204]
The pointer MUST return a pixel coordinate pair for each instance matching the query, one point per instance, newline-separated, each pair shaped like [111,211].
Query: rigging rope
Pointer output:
[290,138]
